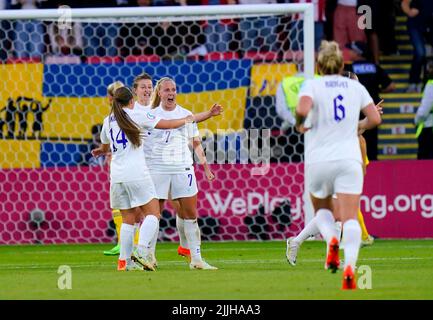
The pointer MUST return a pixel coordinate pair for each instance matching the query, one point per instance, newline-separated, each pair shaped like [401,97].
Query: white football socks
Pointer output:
[149,227]
[180,225]
[192,233]
[309,230]
[326,224]
[136,227]
[338,226]
[352,242]
[154,241]
[126,241]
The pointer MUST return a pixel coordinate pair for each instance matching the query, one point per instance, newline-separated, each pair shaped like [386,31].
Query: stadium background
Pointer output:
[50,174]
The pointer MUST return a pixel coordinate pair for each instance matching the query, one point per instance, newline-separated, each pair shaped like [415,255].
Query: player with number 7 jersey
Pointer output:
[172,170]
[131,187]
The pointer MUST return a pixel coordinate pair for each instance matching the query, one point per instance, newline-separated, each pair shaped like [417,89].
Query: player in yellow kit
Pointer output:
[367,240]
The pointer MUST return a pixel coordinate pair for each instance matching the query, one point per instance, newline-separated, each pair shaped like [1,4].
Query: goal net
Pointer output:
[55,69]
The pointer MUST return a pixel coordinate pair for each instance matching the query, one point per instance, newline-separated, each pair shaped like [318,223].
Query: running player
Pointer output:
[293,244]
[332,153]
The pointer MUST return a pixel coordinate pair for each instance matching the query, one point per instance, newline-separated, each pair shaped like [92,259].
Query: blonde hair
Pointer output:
[113,87]
[330,58]
[155,100]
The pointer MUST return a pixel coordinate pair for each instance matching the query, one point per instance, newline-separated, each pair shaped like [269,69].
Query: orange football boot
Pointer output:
[349,282]
[184,252]
[333,260]
[121,265]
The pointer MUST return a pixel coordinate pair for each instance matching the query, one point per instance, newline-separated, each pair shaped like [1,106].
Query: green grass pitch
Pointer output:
[248,270]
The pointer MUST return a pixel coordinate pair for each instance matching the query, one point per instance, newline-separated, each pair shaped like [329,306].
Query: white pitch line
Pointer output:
[158,250]
[172,262]
[99,251]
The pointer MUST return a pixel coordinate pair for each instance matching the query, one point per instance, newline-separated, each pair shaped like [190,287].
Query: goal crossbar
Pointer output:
[307,9]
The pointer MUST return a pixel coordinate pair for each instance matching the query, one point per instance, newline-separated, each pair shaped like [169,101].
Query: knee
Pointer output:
[128,219]
[189,213]
[155,214]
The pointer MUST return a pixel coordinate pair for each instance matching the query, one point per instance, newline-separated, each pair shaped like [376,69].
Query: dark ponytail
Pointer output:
[122,97]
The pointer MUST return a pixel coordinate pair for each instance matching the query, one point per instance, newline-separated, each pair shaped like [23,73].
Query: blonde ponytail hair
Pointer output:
[330,58]
[155,99]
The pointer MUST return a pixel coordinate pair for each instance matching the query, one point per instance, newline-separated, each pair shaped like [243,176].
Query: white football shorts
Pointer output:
[127,195]
[332,177]
[179,185]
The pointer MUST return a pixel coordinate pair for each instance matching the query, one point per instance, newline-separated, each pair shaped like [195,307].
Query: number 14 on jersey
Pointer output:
[120,139]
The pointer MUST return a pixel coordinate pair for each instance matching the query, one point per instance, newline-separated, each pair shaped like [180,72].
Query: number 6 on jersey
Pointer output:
[339,111]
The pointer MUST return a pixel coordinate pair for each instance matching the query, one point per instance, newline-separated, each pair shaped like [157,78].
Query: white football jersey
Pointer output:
[142,108]
[170,151]
[139,106]
[128,162]
[337,102]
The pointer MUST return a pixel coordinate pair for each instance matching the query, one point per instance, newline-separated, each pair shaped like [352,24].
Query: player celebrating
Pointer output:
[117,217]
[143,88]
[132,190]
[172,170]
[332,153]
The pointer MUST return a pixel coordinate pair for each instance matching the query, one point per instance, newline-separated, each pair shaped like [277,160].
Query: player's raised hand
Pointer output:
[216,110]
[379,107]
[209,175]
[98,152]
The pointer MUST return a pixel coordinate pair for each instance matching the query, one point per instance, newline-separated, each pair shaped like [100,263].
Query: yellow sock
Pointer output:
[117,218]
[137,232]
[362,224]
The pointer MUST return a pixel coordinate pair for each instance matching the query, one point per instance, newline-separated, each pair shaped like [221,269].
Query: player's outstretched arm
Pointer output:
[214,111]
[173,124]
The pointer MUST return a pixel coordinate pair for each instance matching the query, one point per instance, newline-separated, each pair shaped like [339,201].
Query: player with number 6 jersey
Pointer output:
[333,162]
